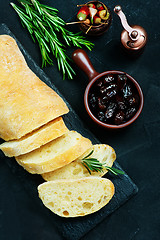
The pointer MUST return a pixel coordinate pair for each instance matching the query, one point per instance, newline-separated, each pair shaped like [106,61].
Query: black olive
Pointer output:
[111,93]
[92,100]
[108,79]
[130,113]
[110,110]
[99,83]
[101,116]
[119,117]
[101,104]
[121,81]
[127,91]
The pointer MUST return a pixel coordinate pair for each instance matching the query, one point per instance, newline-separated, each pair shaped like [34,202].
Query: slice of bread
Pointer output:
[76,197]
[102,152]
[35,139]
[55,154]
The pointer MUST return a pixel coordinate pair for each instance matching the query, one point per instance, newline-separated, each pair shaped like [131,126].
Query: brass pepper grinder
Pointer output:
[133,38]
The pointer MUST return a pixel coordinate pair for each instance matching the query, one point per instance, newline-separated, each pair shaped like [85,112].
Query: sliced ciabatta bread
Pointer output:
[55,154]
[102,152]
[76,197]
[26,103]
[35,139]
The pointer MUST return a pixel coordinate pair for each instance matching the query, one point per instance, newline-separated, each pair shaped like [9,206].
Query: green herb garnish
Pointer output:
[92,164]
[48,29]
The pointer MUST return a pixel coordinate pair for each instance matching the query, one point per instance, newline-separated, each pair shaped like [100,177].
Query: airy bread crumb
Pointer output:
[76,197]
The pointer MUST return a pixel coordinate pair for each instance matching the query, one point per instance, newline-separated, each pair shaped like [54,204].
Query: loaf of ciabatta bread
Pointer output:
[26,103]
[76,197]
[102,152]
[35,139]
[31,122]
[55,154]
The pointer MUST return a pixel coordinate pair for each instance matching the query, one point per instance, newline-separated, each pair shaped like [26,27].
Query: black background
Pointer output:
[137,146]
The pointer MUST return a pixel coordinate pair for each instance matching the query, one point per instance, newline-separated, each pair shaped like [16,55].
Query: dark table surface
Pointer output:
[137,146]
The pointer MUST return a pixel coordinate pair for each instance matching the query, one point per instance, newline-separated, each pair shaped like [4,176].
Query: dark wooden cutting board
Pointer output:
[71,229]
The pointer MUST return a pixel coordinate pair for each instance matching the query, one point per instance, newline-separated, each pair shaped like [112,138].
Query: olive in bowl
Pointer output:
[96,18]
[113,99]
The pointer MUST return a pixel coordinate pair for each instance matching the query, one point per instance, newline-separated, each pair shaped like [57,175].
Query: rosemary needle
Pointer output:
[92,164]
[48,29]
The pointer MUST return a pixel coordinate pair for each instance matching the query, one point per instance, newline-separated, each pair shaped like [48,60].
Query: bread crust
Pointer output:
[26,103]
[60,160]
[35,139]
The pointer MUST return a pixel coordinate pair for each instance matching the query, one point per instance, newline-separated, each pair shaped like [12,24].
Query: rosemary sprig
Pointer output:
[92,164]
[48,29]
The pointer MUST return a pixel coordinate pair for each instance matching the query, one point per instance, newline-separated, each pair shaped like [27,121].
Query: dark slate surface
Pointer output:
[137,146]
[71,229]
